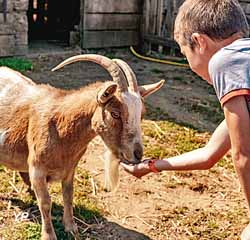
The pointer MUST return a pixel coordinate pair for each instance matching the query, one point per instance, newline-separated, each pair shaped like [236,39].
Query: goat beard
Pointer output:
[111,171]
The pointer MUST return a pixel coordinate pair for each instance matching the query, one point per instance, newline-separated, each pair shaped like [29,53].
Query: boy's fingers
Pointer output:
[131,169]
[127,167]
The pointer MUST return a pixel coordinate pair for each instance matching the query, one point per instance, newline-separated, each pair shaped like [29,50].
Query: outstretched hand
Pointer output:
[137,170]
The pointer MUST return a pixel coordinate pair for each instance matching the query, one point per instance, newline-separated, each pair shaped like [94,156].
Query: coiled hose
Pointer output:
[157,60]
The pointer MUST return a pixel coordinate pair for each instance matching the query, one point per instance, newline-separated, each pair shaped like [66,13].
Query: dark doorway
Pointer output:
[52,20]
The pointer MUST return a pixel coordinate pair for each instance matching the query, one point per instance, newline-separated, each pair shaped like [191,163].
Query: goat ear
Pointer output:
[146,90]
[106,92]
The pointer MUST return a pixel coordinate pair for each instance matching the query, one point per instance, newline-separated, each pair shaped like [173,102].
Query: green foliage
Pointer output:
[32,231]
[21,231]
[18,64]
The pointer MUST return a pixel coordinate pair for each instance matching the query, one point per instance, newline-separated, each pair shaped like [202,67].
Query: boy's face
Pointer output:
[198,57]
[204,48]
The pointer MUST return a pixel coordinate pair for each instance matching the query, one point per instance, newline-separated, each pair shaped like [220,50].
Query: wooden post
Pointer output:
[169,17]
[159,17]
[5,10]
[146,14]
[159,21]
[146,18]
[82,23]
[154,14]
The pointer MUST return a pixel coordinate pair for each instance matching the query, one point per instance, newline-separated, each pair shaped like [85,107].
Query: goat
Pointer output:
[44,131]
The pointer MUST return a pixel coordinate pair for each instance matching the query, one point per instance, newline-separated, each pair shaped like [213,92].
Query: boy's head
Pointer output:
[204,26]
[218,19]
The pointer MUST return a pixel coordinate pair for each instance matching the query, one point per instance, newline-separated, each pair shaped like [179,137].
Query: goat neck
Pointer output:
[70,111]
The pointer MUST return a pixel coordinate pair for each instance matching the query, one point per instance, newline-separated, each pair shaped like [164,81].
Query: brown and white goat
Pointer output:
[44,131]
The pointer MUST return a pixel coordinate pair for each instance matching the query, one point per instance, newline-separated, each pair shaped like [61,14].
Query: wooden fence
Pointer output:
[158,24]
[246,7]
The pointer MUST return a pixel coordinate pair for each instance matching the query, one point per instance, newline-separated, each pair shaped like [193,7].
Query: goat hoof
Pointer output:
[75,235]
[46,236]
[73,230]
[70,227]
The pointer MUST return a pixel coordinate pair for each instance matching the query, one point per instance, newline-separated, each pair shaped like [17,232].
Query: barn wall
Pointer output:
[110,23]
[14,32]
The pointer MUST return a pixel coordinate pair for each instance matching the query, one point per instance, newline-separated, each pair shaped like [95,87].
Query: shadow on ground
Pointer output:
[94,227]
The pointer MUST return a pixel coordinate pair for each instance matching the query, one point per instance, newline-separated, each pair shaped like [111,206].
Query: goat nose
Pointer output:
[138,152]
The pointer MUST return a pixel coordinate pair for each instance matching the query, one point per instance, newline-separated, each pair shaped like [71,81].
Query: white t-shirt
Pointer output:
[229,69]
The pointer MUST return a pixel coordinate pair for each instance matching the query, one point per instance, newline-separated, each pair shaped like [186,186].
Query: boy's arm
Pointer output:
[238,122]
[202,158]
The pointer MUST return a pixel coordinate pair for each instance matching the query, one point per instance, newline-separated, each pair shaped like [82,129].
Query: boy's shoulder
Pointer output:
[237,51]
[229,69]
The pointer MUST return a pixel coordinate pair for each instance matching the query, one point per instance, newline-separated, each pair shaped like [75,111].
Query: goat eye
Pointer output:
[106,94]
[115,115]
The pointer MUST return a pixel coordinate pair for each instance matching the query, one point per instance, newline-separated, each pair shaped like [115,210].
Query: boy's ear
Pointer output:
[200,41]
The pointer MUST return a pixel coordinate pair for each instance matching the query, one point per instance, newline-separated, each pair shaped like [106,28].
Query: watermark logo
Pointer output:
[21,216]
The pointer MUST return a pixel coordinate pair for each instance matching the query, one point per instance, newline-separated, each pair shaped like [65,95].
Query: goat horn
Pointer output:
[113,69]
[131,78]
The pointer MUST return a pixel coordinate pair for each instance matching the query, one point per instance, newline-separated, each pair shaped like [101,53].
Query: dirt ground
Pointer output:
[150,208]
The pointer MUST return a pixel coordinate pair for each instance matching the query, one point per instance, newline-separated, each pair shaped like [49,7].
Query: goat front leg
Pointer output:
[68,218]
[39,185]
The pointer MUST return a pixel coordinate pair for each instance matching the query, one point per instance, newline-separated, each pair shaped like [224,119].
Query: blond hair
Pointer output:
[218,19]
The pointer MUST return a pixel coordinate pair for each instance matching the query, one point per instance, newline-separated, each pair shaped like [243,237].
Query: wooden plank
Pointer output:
[246,7]
[146,14]
[101,39]
[10,19]
[7,43]
[166,42]
[248,19]
[159,22]
[6,28]
[153,16]
[112,21]
[150,18]
[113,6]
[8,5]
[145,48]
[159,17]
[172,7]
[168,18]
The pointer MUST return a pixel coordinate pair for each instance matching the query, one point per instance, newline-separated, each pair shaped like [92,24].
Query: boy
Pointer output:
[211,34]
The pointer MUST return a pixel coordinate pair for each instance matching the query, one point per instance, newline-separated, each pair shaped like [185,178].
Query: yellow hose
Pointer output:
[157,60]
